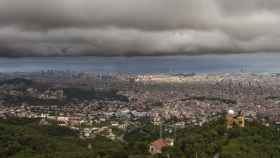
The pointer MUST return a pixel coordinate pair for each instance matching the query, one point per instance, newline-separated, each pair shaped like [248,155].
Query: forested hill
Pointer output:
[23,138]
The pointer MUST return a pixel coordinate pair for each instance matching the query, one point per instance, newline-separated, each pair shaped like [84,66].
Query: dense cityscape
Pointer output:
[112,105]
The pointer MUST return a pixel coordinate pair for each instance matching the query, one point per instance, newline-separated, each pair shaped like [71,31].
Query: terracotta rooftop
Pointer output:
[160,143]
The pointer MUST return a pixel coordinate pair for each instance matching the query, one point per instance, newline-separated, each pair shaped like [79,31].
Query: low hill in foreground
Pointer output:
[24,138]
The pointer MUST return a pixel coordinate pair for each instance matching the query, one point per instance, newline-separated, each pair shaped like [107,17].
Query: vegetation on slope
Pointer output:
[25,138]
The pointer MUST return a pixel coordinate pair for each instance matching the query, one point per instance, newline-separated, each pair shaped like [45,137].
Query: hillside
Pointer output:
[23,138]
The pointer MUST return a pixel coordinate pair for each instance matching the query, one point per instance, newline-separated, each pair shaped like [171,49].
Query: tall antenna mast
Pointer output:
[160,132]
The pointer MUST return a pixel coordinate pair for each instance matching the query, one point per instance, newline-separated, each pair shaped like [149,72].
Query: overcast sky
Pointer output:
[138,27]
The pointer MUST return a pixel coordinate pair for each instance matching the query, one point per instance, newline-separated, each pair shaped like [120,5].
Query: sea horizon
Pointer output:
[172,64]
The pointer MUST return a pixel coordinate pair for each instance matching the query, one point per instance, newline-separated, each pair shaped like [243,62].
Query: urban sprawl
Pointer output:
[94,104]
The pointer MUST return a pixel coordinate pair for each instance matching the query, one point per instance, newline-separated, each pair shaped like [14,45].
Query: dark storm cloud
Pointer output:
[144,14]
[142,27]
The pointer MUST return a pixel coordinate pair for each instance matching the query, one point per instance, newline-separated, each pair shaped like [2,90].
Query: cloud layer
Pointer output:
[137,27]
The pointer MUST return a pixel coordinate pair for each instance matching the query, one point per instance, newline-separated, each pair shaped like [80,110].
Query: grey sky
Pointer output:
[142,27]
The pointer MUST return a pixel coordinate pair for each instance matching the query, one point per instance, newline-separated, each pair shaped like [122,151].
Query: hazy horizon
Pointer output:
[210,63]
